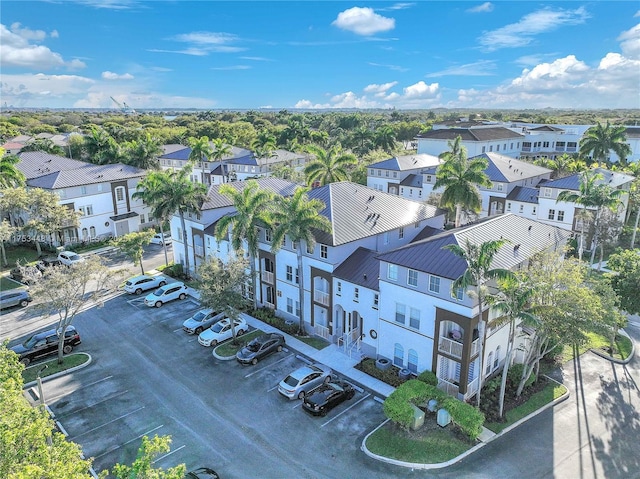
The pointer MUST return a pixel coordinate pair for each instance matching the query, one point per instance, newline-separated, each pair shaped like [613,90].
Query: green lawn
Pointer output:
[7,283]
[597,341]
[228,349]
[70,361]
[315,342]
[24,254]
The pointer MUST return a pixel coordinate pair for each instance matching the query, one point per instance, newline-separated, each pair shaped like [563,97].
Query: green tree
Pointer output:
[143,466]
[626,280]
[251,205]
[67,291]
[479,259]
[30,445]
[144,153]
[329,166]
[604,197]
[598,141]
[10,175]
[200,149]
[132,245]
[46,216]
[385,138]
[460,177]
[298,217]
[6,232]
[45,145]
[220,152]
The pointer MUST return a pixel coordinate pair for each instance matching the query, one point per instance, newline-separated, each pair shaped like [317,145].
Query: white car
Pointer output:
[201,321]
[166,293]
[221,331]
[161,239]
[69,257]
[301,381]
[138,284]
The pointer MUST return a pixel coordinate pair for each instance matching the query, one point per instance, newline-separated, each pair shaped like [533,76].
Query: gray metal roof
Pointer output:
[506,169]
[611,178]
[412,180]
[86,175]
[276,185]
[471,134]
[524,194]
[407,162]
[357,212]
[362,267]
[37,163]
[526,237]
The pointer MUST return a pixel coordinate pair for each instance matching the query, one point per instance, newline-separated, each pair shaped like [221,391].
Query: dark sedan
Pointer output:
[202,473]
[327,396]
[46,343]
[260,347]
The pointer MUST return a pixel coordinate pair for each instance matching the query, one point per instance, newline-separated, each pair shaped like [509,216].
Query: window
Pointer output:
[87,210]
[412,277]
[294,245]
[500,186]
[289,273]
[508,205]
[92,231]
[498,148]
[376,300]
[521,209]
[284,241]
[395,174]
[552,214]
[428,178]
[496,360]
[490,147]
[457,293]
[398,355]
[546,192]
[356,295]
[386,173]
[119,193]
[512,146]
[324,251]
[487,370]
[267,235]
[401,233]
[385,238]
[535,209]
[379,173]
[83,190]
[298,309]
[179,237]
[339,288]
[434,284]
[560,215]
[85,233]
[414,318]
[545,144]
[401,310]
[413,361]
[392,272]
[310,248]
[289,305]
[371,172]
[142,218]
[484,149]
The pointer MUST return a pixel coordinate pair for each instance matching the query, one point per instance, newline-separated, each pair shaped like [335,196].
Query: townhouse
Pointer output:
[102,193]
[476,139]
[401,175]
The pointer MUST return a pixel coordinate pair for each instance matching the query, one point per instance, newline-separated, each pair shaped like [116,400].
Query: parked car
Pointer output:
[161,239]
[324,398]
[259,347]
[221,331]
[14,297]
[201,320]
[45,263]
[138,284]
[46,343]
[25,274]
[202,473]
[166,293]
[304,379]
[69,258]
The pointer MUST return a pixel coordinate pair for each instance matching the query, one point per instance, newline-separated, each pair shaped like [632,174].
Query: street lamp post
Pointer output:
[40,393]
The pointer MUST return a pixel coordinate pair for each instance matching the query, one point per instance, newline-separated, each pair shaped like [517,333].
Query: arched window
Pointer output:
[92,231]
[412,365]
[85,234]
[489,365]
[496,360]
[398,355]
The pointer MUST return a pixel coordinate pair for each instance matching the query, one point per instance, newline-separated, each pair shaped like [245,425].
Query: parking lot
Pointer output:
[149,377]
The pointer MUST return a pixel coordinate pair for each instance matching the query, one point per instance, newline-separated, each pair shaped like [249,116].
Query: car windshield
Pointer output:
[75,257]
[216,328]
[158,292]
[29,343]
[253,346]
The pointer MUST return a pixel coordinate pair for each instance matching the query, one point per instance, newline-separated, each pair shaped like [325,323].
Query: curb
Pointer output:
[615,360]
[61,373]
[221,358]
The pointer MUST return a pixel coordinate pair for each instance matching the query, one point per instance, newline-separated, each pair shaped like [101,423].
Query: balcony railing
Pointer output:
[451,347]
[267,277]
[269,305]
[321,297]
[474,347]
[199,250]
[472,388]
[449,387]
[322,331]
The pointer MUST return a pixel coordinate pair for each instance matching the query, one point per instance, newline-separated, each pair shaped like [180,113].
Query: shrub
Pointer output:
[268,316]
[174,270]
[492,385]
[468,418]
[428,377]
[515,374]
[389,376]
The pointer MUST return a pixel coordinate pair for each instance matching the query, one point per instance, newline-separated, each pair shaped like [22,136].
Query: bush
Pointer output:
[428,377]
[515,374]
[389,376]
[468,418]
[174,270]
[268,316]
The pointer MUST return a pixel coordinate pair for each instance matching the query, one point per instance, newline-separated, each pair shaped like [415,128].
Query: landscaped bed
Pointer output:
[229,348]
[70,361]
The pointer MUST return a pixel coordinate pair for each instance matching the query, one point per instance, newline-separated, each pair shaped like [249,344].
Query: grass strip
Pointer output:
[227,348]
[71,361]
[314,342]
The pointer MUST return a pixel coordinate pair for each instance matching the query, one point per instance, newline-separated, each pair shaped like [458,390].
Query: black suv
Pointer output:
[46,343]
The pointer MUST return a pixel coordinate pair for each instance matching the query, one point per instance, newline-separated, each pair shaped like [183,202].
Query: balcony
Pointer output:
[322,331]
[199,250]
[474,347]
[450,347]
[321,297]
[449,387]
[267,277]
[269,305]
[472,389]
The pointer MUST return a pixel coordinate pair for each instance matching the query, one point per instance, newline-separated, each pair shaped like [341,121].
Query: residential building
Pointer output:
[477,140]
[401,175]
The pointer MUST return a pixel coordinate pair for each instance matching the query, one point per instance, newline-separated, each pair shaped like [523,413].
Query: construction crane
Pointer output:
[124,108]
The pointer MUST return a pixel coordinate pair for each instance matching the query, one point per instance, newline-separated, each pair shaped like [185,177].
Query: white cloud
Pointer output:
[257,59]
[479,68]
[483,8]
[397,6]
[110,4]
[630,42]
[396,68]
[420,90]
[206,38]
[363,21]
[16,50]
[374,88]
[26,90]
[107,75]
[203,43]
[523,32]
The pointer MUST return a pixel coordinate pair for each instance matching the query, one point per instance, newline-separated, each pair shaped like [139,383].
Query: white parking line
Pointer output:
[111,449]
[267,367]
[176,330]
[274,387]
[94,404]
[168,454]
[49,399]
[108,422]
[340,414]
[298,404]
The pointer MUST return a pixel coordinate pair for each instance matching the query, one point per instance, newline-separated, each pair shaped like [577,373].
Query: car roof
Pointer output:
[13,291]
[139,277]
[304,371]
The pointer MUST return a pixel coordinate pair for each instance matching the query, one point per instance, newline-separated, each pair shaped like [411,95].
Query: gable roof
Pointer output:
[471,134]
[524,194]
[86,175]
[362,267]
[356,211]
[34,164]
[407,162]
[506,169]
[173,152]
[412,180]
[611,178]
[215,199]
[526,237]
[546,128]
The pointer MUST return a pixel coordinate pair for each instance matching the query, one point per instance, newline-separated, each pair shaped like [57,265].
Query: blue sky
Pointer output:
[320,54]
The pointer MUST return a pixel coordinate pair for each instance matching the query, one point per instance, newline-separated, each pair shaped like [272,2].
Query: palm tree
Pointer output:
[220,151]
[512,300]
[101,148]
[599,140]
[263,147]
[144,153]
[479,259]
[200,151]
[180,194]
[385,138]
[10,175]
[43,144]
[604,196]
[584,197]
[251,204]
[329,165]
[362,137]
[297,217]
[461,178]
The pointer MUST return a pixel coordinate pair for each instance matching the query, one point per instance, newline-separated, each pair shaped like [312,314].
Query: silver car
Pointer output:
[14,297]
[201,321]
[303,380]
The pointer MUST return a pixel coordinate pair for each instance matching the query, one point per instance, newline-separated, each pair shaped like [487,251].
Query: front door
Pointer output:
[122,228]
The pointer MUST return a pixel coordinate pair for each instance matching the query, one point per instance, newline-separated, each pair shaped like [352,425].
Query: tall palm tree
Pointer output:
[10,175]
[251,205]
[479,259]
[584,197]
[513,302]
[329,165]
[98,145]
[220,151]
[200,151]
[144,153]
[461,178]
[297,217]
[179,193]
[263,147]
[361,138]
[150,191]
[385,138]
[598,141]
